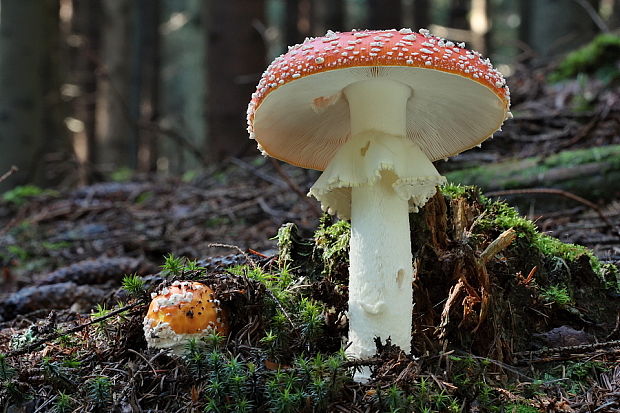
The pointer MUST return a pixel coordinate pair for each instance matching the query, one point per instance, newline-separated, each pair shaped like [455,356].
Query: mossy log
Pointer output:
[591,173]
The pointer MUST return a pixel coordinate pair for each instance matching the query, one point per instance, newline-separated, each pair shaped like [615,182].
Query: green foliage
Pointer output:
[63,403]
[123,174]
[501,216]
[144,197]
[20,194]
[134,285]
[332,241]
[599,57]
[99,311]
[173,266]
[453,190]
[285,242]
[178,266]
[55,371]
[18,252]
[100,391]
[6,370]
[556,294]
[101,327]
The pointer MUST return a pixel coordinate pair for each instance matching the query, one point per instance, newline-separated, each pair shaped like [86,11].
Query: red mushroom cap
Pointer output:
[180,311]
[375,51]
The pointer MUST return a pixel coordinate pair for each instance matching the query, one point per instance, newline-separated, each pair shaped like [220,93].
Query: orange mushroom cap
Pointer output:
[182,311]
[295,114]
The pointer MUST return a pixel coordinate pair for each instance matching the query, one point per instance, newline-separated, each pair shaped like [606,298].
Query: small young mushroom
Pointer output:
[182,311]
[373,109]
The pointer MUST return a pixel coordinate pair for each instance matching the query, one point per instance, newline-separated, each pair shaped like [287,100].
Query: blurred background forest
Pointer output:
[90,89]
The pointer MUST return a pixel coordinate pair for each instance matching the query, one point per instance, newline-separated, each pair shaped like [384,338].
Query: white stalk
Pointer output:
[381,271]
[376,178]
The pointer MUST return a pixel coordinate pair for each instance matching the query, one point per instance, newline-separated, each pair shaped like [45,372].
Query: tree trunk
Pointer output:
[384,14]
[183,87]
[148,38]
[116,133]
[29,84]
[232,79]
[554,27]
[85,25]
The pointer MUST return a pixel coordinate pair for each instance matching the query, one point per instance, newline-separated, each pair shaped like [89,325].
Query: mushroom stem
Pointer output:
[376,178]
[380,273]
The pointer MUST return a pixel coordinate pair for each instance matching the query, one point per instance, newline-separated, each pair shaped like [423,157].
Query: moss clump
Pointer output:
[20,194]
[599,57]
[557,295]
[501,216]
[332,242]
[454,190]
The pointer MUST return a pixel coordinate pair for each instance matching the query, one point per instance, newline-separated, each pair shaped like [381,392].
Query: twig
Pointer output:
[10,172]
[561,192]
[236,248]
[295,188]
[72,330]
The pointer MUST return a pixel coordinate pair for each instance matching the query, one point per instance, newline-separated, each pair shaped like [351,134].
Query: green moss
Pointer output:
[20,194]
[333,242]
[582,156]
[557,294]
[599,57]
[285,241]
[501,216]
[453,190]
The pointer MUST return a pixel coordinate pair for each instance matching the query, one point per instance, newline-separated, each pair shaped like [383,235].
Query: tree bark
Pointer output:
[233,77]
[83,68]
[183,86]
[149,15]
[29,83]
[115,133]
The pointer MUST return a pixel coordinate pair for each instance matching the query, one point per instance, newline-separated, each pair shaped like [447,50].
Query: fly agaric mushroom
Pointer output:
[182,311]
[373,109]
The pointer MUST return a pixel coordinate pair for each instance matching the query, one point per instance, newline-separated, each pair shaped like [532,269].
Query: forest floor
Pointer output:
[71,322]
